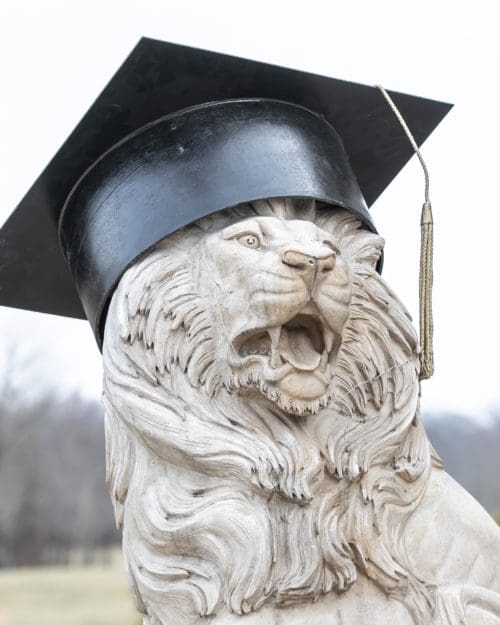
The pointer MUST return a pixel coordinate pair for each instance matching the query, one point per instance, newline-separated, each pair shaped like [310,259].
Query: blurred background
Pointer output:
[59,552]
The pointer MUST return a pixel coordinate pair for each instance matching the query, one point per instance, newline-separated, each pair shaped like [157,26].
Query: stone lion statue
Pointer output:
[266,458]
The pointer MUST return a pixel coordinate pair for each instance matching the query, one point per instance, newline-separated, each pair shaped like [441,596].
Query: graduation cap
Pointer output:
[177,134]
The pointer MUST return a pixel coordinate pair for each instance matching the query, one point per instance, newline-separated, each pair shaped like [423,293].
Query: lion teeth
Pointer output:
[328,338]
[274,335]
[324,358]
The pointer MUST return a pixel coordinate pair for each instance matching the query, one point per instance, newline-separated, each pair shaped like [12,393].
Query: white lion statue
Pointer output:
[266,458]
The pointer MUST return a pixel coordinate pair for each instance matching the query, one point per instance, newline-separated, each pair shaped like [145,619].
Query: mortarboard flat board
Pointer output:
[277,117]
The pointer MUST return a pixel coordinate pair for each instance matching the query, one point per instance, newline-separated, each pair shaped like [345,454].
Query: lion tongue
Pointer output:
[296,347]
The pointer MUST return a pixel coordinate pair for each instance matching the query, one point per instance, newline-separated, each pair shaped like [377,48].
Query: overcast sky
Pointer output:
[57,56]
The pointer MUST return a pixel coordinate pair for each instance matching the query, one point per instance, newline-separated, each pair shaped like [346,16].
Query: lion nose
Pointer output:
[310,262]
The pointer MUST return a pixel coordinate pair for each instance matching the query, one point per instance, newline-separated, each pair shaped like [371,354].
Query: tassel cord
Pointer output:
[426,256]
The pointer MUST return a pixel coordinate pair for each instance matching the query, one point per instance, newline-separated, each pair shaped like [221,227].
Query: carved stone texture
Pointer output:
[266,458]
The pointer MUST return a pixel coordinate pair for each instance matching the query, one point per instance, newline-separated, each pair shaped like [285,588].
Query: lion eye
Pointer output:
[249,240]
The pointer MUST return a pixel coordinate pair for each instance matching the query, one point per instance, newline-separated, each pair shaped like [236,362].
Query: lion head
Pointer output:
[280,291]
[261,393]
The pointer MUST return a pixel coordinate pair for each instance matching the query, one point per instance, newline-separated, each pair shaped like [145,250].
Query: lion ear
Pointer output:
[361,245]
[366,248]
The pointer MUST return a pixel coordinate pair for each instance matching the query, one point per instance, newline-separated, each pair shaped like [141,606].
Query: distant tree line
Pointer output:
[471,454]
[52,482]
[52,475]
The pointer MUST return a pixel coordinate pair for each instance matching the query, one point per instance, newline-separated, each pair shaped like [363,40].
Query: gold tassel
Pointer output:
[426,256]
[425,292]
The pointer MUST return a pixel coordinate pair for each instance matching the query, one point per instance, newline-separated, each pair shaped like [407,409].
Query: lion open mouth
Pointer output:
[304,342]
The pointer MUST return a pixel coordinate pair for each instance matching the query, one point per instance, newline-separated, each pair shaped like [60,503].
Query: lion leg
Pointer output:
[467,605]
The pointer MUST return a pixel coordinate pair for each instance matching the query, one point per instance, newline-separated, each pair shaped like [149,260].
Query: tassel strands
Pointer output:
[425,292]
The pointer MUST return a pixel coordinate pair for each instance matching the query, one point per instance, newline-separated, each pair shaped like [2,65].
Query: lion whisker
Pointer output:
[266,291]
[275,274]
[373,379]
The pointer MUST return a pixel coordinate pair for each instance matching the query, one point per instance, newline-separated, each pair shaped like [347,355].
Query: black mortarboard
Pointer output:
[179,133]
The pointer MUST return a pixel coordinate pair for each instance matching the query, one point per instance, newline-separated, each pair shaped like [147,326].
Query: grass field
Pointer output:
[66,596]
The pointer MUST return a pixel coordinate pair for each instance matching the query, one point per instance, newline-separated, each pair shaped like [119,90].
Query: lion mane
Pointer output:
[225,500]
